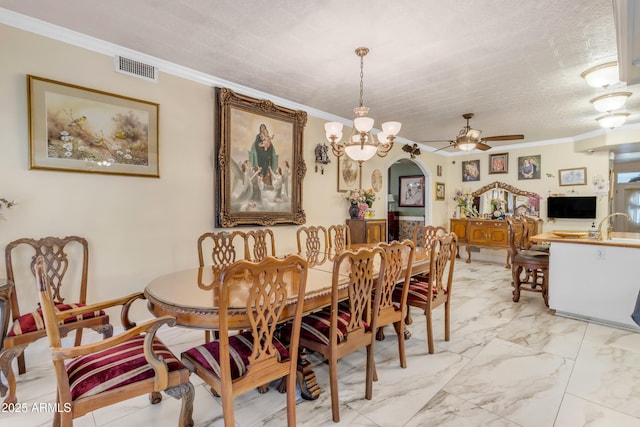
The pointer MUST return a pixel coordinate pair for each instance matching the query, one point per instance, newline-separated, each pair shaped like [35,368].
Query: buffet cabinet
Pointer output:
[368,230]
[486,233]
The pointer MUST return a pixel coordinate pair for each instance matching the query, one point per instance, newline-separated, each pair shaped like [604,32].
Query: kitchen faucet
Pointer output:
[609,227]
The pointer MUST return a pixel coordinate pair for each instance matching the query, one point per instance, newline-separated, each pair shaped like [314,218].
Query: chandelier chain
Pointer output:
[361,80]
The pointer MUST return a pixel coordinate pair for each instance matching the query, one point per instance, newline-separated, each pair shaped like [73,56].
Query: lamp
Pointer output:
[612,120]
[602,75]
[466,142]
[610,102]
[361,145]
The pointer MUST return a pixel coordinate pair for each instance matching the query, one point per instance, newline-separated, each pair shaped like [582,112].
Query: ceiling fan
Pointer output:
[469,138]
[413,150]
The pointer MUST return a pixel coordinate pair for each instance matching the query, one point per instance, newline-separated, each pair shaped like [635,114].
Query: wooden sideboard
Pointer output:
[368,230]
[486,233]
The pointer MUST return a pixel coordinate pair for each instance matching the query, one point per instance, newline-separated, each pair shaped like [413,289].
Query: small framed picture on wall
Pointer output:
[439,191]
[471,170]
[411,191]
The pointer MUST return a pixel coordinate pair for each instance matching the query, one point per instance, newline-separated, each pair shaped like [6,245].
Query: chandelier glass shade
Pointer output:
[610,102]
[612,120]
[602,75]
[466,143]
[361,144]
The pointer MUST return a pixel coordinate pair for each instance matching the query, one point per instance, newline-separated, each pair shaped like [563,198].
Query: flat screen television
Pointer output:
[580,207]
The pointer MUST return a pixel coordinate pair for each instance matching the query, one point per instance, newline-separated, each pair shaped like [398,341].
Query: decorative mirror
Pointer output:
[497,199]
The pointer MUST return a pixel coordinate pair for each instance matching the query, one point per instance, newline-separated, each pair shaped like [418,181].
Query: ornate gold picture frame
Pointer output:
[259,168]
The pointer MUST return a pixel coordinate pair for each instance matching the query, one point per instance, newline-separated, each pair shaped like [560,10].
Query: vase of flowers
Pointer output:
[360,201]
[465,204]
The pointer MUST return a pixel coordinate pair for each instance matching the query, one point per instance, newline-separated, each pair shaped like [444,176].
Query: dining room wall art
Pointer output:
[77,129]
[498,163]
[259,168]
[575,176]
[348,174]
[411,191]
[529,167]
[471,170]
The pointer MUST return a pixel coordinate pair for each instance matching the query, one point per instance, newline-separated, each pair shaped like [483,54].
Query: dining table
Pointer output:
[191,297]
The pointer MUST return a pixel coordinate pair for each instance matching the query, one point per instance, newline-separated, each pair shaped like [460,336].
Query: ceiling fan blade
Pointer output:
[503,138]
[451,145]
[440,140]
[482,147]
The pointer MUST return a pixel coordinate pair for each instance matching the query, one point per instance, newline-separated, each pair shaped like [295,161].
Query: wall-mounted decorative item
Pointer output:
[471,170]
[411,191]
[259,168]
[439,193]
[499,163]
[77,129]
[376,180]
[322,157]
[348,174]
[529,167]
[576,176]
[439,170]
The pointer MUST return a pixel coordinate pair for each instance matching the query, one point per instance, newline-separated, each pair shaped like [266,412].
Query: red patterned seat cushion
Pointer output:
[116,367]
[316,326]
[34,321]
[240,348]
[418,292]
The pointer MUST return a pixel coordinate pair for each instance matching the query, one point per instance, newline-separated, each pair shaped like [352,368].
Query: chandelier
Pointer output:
[361,145]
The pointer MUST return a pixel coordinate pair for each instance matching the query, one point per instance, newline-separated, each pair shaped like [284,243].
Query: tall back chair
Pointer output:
[313,243]
[237,363]
[424,235]
[260,244]
[222,248]
[89,381]
[341,329]
[528,267]
[397,277]
[65,259]
[436,291]
[339,237]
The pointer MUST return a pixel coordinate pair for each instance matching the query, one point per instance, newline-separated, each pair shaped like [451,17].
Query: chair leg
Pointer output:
[22,366]
[371,369]
[155,397]
[291,400]
[227,409]
[447,320]
[333,382]
[6,358]
[545,287]
[186,392]
[78,340]
[516,282]
[429,331]
[399,326]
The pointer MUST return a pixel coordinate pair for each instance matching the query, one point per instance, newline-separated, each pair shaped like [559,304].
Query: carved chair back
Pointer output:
[424,235]
[222,248]
[260,244]
[339,237]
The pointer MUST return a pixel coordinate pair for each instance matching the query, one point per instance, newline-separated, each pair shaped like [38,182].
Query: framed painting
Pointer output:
[499,163]
[348,174]
[259,166]
[439,191]
[471,170]
[77,129]
[529,167]
[576,176]
[411,191]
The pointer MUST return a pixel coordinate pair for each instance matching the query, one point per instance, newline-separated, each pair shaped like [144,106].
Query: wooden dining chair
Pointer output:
[397,278]
[529,268]
[424,235]
[235,364]
[436,291]
[260,244]
[339,237]
[66,265]
[115,369]
[313,243]
[222,249]
[341,329]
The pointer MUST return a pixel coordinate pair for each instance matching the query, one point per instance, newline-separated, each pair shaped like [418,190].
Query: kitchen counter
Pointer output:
[594,280]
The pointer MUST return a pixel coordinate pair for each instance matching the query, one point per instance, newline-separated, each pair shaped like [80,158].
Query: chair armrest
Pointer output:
[150,327]
[125,302]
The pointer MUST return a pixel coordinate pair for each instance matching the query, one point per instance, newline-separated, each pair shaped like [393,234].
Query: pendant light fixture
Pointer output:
[361,144]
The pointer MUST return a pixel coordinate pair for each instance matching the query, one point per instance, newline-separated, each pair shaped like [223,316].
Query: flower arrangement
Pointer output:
[465,201]
[5,204]
[356,197]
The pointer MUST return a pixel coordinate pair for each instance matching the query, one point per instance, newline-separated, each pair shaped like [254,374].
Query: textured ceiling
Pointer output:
[515,64]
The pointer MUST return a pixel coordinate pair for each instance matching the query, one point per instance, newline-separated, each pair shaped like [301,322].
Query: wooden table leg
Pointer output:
[306,379]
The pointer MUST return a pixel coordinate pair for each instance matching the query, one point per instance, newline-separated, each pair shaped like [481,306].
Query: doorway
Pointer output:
[402,219]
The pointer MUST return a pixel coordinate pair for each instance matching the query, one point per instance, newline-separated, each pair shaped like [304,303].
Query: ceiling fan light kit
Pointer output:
[601,76]
[361,145]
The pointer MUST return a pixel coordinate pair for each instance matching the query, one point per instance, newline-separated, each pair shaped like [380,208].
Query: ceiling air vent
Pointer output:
[134,68]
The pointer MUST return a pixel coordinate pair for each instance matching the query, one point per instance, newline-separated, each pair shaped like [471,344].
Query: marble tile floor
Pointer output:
[507,364]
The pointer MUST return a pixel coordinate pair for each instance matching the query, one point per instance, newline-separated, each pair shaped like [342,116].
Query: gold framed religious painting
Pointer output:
[77,129]
[259,168]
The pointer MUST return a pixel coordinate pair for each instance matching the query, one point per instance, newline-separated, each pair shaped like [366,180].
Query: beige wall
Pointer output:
[139,228]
